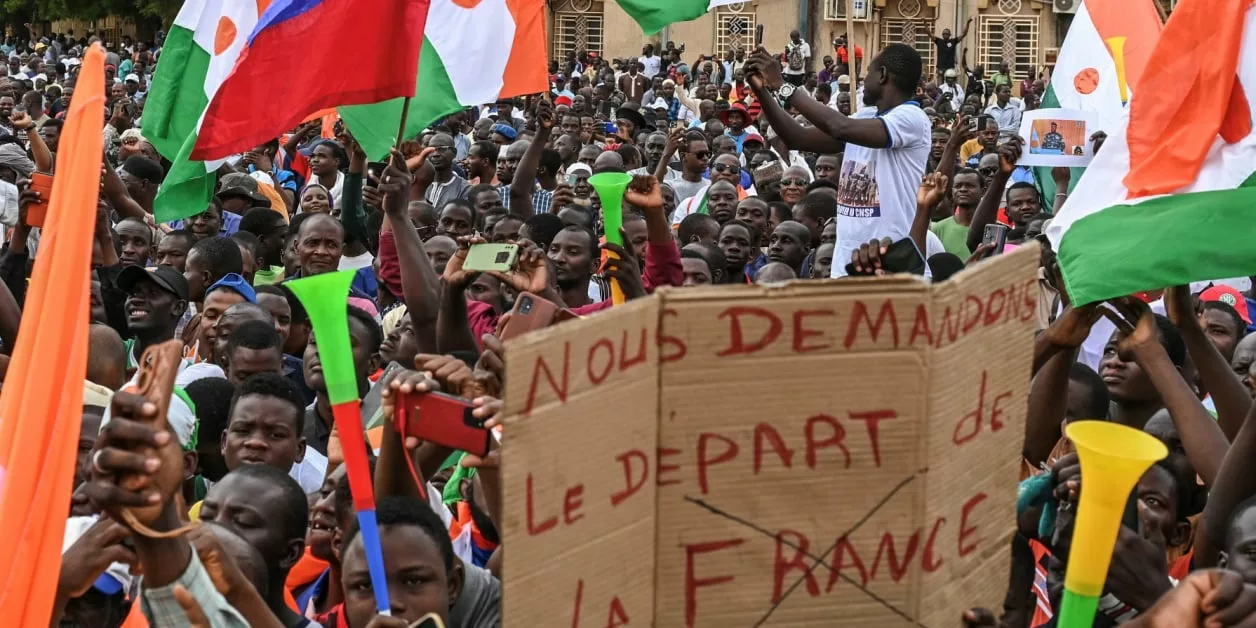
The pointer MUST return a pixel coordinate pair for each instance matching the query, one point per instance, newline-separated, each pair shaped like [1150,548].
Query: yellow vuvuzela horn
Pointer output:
[1113,458]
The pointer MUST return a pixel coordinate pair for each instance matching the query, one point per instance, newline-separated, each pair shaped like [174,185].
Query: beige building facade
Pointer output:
[1025,32]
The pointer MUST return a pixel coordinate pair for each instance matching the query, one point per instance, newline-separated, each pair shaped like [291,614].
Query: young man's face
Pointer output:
[418,583]
[262,430]
[1127,382]
[1220,329]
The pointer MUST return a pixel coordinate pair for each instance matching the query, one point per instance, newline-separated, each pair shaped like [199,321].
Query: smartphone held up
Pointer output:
[491,256]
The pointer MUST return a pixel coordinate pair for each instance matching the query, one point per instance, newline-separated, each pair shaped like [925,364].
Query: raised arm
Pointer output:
[1228,393]
[39,150]
[964,33]
[960,133]
[419,281]
[674,140]
[931,192]
[988,209]
[352,213]
[453,327]
[525,174]
[764,72]
[1202,438]
[1235,483]
[115,191]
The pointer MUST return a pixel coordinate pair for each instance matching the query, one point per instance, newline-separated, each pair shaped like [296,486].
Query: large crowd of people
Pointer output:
[755,166]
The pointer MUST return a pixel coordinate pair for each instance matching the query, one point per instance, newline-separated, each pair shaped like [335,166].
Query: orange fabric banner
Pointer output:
[41,405]
[1197,60]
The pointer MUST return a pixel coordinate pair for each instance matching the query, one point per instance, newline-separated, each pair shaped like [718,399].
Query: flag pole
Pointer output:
[401,128]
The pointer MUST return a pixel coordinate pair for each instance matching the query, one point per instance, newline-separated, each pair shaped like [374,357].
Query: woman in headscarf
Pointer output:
[315,199]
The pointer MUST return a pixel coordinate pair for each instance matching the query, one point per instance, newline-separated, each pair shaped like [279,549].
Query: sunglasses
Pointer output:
[726,168]
[794,182]
[702,155]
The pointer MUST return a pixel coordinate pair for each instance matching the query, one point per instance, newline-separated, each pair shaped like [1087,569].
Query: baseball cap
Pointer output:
[505,130]
[949,74]
[166,278]
[132,78]
[241,184]
[562,100]
[234,282]
[1229,296]
[753,137]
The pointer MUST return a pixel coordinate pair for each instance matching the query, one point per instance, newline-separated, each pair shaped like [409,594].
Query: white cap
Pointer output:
[659,103]
[132,77]
[950,74]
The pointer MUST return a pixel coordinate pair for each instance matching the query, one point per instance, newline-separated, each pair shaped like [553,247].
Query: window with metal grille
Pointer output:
[577,31]
[733,29]
[1011,39]
[914,33]
[836,10]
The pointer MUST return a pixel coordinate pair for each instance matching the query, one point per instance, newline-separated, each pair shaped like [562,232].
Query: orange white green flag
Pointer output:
[474,52]
[1101,61]
[1169,199]
[1103,57]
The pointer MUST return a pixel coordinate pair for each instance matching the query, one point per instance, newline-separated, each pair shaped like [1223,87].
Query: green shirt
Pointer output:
[999,78]
[953,235]
[268,276]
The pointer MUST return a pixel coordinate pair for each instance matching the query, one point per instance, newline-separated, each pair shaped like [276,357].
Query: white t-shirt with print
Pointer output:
[876,196]
[651,64]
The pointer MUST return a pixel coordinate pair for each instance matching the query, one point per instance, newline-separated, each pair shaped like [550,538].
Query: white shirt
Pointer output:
[651,65]
[802,47]
[1009,117]
[956,92]
[877,194]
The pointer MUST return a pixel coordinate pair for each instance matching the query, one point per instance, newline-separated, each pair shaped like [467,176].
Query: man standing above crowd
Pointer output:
[634,84]
[798,59]
[887,143]
[946,50]
[650,62]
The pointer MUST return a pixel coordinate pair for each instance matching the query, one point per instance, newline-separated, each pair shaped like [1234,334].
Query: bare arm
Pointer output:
[1235,482]
[1202,438]
[39,150]
[988,209]
[419,281]
[1228,393]
[964,33]
[960,133]
[525,175]
[115,191]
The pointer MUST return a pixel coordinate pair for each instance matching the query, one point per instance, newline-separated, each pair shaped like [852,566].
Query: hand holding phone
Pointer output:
[995,235]
[444,420]
[491,256]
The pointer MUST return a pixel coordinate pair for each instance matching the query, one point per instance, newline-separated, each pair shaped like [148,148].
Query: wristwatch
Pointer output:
[782,95]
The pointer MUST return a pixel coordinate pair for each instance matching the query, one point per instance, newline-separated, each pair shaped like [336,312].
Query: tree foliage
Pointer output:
[86,9]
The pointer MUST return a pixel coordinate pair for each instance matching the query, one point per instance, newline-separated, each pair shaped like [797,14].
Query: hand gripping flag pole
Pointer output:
[326,299]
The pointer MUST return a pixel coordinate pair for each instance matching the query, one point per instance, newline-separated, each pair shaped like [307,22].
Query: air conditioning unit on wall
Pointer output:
[1065,6]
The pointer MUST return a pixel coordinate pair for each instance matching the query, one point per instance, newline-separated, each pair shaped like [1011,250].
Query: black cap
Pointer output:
[166,277]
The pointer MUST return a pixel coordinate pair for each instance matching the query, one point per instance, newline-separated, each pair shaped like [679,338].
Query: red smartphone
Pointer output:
[38,213]
[444,420]
[529,314]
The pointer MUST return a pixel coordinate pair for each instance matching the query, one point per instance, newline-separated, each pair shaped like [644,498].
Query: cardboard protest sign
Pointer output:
[825,453]
[581,404]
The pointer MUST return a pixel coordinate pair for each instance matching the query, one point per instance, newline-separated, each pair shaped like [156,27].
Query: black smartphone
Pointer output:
[376,168]
[758,35]
[899,257]
[995,234]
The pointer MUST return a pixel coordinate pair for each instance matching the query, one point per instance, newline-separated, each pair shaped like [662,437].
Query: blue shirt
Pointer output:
[230,224]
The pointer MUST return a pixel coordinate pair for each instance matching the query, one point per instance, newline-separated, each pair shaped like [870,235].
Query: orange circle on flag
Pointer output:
[467,4]
[225,35]
[1086,81]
